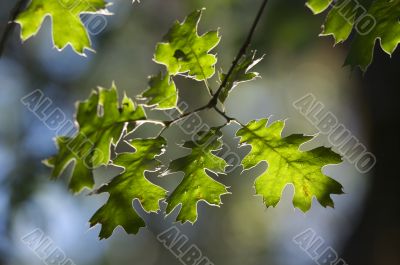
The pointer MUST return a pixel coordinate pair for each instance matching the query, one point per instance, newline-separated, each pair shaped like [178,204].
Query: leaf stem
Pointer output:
[208,88]
[10,24]
[223,114]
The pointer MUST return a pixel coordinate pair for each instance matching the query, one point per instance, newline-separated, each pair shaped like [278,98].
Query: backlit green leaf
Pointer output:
[131,185]
[67,26]
[197,185]
[161,92]
[101,120]
[288,165]
[184,51]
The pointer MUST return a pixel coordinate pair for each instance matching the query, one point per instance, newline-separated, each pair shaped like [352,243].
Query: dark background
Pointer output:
[363,228]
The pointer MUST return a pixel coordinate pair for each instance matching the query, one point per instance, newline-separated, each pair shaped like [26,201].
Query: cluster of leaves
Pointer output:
[370,19]
[104,123]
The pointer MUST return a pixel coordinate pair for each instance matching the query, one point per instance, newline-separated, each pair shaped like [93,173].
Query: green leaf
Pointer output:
[161,92]
[318,6]
[288,165]
[387,30]
[374,21]
[185,51]
[101,120]
[240,74]
[131,185]
[67,27]
[197,185]
[338,25]
[68,152]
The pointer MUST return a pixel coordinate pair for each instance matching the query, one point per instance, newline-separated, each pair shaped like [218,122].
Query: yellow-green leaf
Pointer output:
[288,165]
[131,185]
[184,51]
[101,120]
[67,26]
[197,185]
[161,92]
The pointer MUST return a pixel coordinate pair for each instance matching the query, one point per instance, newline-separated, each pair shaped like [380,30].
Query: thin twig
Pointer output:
[223,114]
[208,87]
[10,24]
[213,102]
[228,118]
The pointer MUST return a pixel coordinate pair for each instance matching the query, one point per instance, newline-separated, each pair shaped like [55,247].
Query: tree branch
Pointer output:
[10,25]
[213,102]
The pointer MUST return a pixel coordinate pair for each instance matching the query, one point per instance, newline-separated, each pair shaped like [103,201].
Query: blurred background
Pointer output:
[363,228]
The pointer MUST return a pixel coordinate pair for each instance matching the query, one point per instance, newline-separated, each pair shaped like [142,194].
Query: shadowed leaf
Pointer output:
[240,74]
[369,20]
